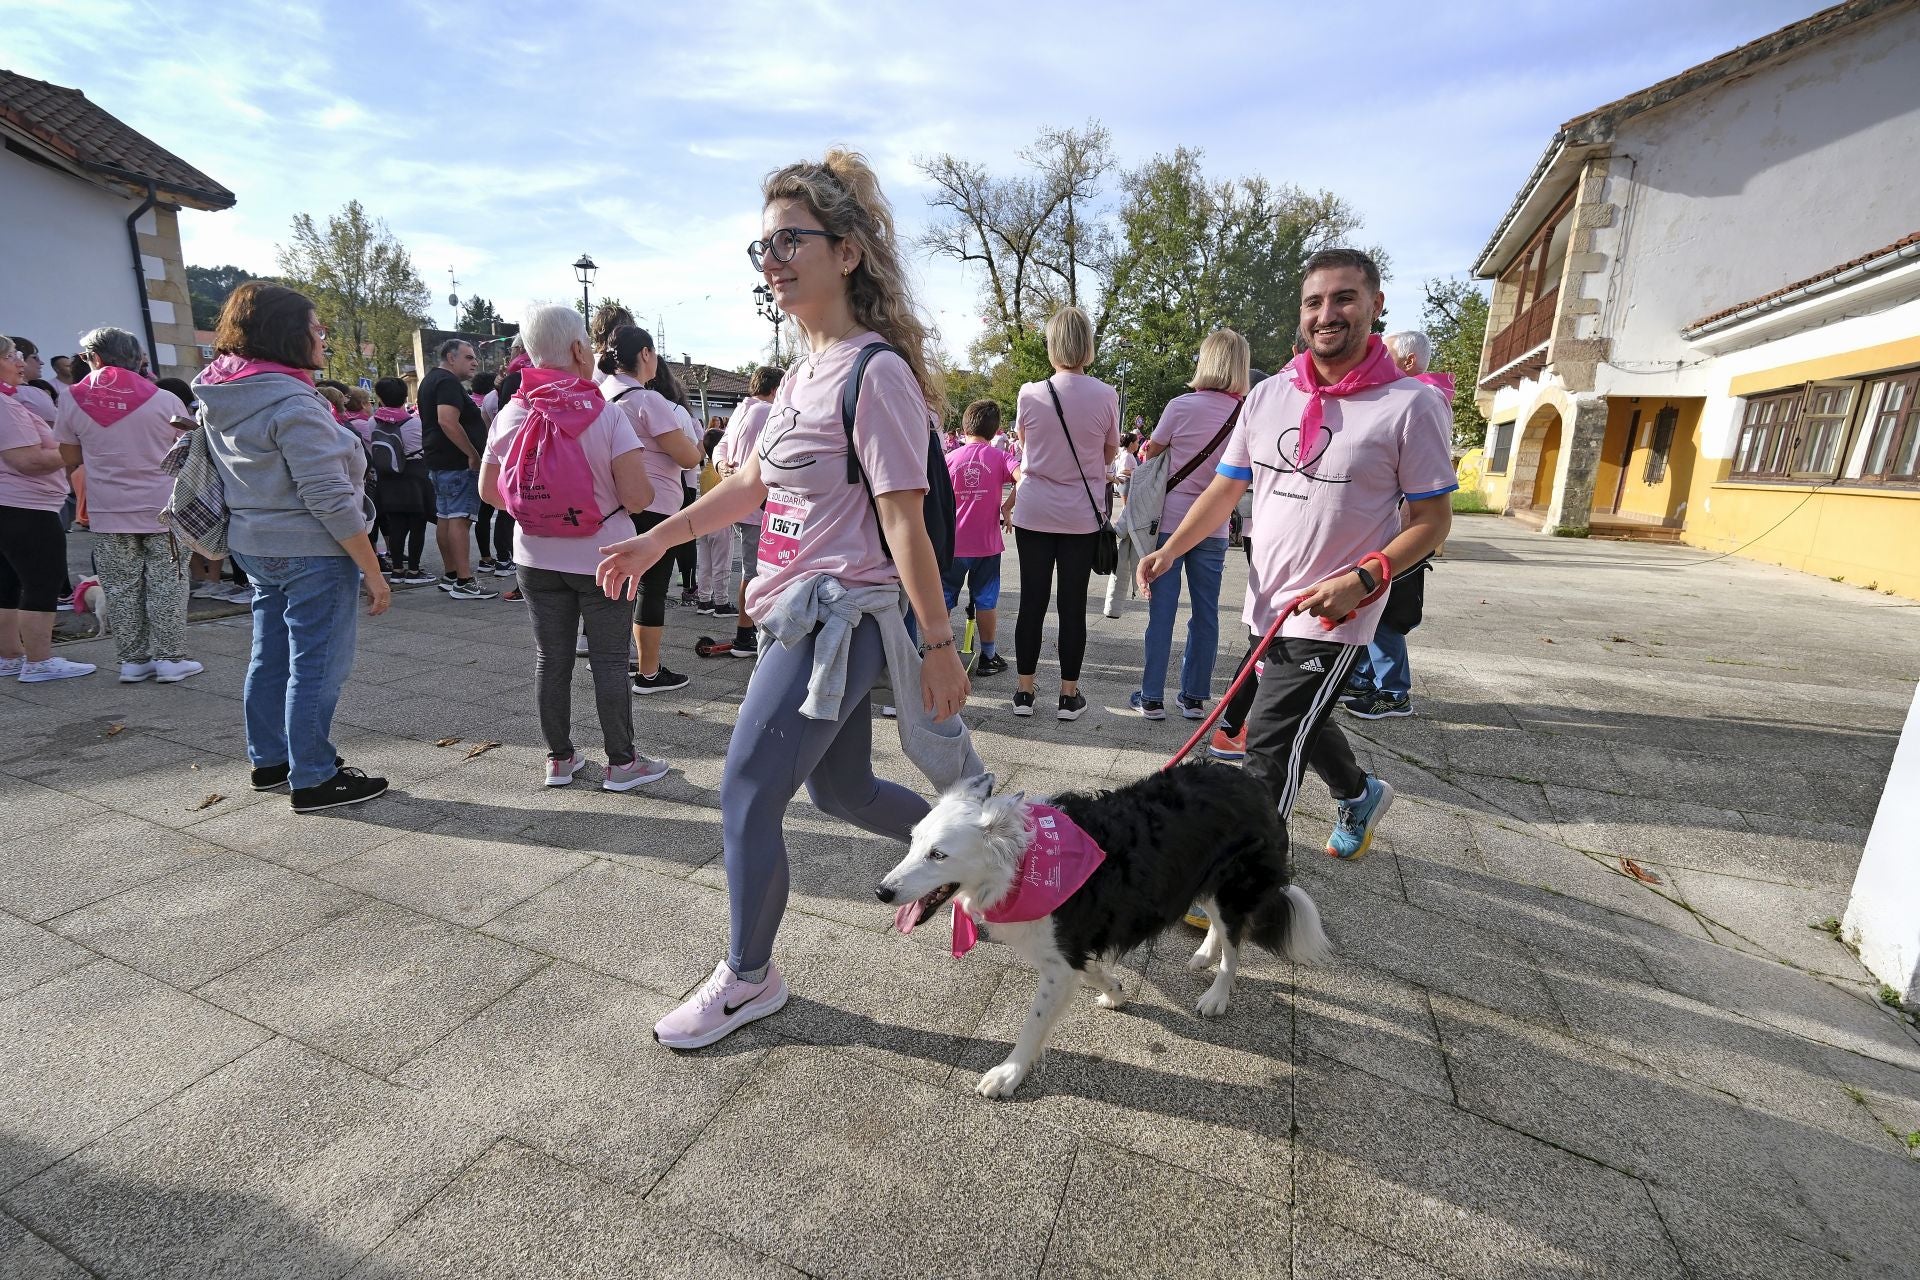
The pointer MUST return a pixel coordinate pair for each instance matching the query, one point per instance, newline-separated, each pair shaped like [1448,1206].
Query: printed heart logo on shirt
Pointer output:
[1288,447]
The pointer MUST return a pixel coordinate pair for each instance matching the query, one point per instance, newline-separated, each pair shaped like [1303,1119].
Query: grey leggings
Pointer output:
[773,748]
[560,603]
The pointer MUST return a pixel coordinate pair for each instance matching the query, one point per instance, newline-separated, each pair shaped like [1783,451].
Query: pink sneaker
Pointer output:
[721,1006]
[636,773]
[560,772]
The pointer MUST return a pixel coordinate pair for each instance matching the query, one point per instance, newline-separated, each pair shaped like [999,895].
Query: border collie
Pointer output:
[1200,833]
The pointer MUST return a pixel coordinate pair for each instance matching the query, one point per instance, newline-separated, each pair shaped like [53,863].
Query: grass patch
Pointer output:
[1569,532]
[1469,502]
[1829,926]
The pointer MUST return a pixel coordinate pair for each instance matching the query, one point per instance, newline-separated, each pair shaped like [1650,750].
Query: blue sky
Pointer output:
[504,144]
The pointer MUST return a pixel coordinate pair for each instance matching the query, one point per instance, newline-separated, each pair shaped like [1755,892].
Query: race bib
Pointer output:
[781,526]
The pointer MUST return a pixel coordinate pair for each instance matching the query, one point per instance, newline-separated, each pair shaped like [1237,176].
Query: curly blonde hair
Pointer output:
[842,192]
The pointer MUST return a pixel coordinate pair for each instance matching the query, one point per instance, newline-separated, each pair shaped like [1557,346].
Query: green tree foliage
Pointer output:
[477,315]
[209,287]
[1198,254]
[363,283]
[1455,315]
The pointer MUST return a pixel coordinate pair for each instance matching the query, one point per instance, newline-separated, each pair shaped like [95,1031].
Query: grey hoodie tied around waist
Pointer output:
[295,478]
[942,750]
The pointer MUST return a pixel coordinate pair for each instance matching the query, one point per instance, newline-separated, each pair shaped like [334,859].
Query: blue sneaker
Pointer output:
[1151,708]
[1353,828]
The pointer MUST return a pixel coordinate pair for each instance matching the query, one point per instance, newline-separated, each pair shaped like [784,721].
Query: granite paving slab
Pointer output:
[93,858]
[464,880]
[29,955]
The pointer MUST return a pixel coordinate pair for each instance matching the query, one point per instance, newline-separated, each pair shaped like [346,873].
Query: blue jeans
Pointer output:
[1384,665]
[304,622]
[1202,565]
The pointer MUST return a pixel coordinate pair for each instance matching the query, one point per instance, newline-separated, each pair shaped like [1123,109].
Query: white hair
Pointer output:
[1411,342]
[549,333]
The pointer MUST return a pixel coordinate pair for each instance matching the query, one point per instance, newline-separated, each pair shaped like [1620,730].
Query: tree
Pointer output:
[363,283]
[1196,255]
[478,316]
[209,288]
[1455,313]
[1031,234]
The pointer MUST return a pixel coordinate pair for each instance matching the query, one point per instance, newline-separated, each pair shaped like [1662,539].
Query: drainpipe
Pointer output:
[140,272]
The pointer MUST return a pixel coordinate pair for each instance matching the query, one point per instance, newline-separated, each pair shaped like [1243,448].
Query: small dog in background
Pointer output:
[90,597]
[1199,833]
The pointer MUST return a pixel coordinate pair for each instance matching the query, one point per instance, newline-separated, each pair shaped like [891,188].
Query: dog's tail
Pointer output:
[1289,925]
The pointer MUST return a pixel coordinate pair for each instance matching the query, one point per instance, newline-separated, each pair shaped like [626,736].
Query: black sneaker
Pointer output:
[1072,706]
[1381,705]
[688,597]
[483,566]
[722,609]
[1023,703]
[990,665]
[659,682]
[1191,708]
[267,777]
[470,589]
[349,786]
[747,646]
[386,565]
[704,608]
[447,582]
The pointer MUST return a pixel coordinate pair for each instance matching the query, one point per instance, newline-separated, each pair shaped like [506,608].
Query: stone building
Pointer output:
[90,212]
[1705,320]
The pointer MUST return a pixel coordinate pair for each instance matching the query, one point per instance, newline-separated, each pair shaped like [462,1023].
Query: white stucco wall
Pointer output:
[1758,182]
[1883,913]
[67,267]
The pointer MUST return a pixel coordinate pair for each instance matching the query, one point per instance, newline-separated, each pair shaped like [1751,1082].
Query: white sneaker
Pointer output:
[237,594]
[11,666]
[53,669]
[172,672]
[637,773]
[561,772]
[209,591]
[135,672]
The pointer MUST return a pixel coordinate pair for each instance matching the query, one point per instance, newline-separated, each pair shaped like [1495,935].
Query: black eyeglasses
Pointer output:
[781,245]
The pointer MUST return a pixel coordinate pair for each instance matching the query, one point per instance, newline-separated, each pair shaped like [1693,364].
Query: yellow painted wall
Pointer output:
[1865,536]
[1846,364]
[1549,467]
[1494,487]
[1661,500]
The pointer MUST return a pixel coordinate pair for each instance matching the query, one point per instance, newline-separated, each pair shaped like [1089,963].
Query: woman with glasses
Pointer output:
[1069,430]
[297,523]
[33,560]
[832,565]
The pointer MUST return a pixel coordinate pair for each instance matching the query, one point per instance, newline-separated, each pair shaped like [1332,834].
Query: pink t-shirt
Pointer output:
[1317,520]
[1188,424]
[741,438]
[610,436]
[816,522]
[125,486]
[1051,497]
[39,403]
[652,417]
[19,427]
[980,474]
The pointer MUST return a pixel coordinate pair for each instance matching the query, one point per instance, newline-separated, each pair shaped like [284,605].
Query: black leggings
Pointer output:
[33,559]
[406,534]
[686,555]
[501,525]
[1040,554]
[650,610]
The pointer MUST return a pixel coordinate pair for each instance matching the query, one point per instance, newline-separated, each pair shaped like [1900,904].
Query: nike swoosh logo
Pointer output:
[731,1009]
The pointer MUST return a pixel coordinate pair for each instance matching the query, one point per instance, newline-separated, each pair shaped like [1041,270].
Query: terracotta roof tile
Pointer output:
[1816,278]
[64,122]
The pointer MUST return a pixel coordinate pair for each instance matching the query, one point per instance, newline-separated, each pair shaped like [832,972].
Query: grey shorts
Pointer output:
[749,551]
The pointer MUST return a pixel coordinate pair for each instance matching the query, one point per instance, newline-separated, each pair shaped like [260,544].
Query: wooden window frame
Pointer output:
[1780,428]
[1504,435]
[1904,428]
[1807,423]
[1665,424]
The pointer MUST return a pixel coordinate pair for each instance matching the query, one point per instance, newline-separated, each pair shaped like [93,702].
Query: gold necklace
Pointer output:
[813,356]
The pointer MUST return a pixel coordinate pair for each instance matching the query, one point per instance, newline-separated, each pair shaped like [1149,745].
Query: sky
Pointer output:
[502,141]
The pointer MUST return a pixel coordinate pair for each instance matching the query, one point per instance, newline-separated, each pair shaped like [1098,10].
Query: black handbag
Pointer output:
[1106,544]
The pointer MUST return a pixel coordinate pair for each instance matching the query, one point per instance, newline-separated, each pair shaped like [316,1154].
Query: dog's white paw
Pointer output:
[1213,1002]
[1202,959]
[1001,1081]
[1111,999]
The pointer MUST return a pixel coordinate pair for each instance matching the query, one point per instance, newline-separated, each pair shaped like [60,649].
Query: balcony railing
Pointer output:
[1529,329]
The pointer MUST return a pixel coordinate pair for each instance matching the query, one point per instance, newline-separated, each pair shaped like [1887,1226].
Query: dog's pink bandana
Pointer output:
[1375,370]
[1059,859]
[109,394]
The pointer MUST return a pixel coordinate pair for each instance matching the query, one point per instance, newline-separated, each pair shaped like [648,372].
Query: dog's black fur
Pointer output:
[1198,832]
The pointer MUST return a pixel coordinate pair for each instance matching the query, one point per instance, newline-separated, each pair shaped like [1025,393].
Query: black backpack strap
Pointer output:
[1213,447]
[624,394]
[850,404]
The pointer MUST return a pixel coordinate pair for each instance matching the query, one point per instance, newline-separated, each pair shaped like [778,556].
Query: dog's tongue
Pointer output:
[903,919]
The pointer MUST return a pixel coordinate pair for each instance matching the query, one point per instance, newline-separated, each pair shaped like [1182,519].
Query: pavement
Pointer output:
[1581,1020]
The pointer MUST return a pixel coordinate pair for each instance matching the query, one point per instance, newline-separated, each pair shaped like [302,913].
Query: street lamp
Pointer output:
[767,309]
[583,272]
[698,377]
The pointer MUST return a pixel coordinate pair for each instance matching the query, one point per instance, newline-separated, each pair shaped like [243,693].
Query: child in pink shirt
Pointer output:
[980,475]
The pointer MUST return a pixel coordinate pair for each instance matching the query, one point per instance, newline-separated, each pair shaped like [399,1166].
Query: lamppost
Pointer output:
[698,377]
[767,309]
[583,272]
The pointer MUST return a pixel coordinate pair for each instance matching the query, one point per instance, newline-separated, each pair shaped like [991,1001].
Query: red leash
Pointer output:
[1260,652]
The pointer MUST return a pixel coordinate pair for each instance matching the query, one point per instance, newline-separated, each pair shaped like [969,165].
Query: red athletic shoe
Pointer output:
[1221,747]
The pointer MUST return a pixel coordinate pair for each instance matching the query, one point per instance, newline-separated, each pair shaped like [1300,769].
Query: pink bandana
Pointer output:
[232,368]
[1441,382]
[516,364]
[8,389]
[1059,859]
[392,417]
[110,393]
[1376,370]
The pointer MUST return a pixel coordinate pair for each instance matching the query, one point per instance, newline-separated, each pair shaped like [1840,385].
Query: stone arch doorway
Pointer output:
[1536,461]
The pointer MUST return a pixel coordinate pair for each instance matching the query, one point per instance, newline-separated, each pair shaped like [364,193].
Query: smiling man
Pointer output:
[1330,448]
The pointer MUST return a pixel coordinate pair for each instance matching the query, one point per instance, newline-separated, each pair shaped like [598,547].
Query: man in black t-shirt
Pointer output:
[452,436]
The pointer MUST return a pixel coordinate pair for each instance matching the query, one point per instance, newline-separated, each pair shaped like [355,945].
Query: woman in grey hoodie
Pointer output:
[296,492]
